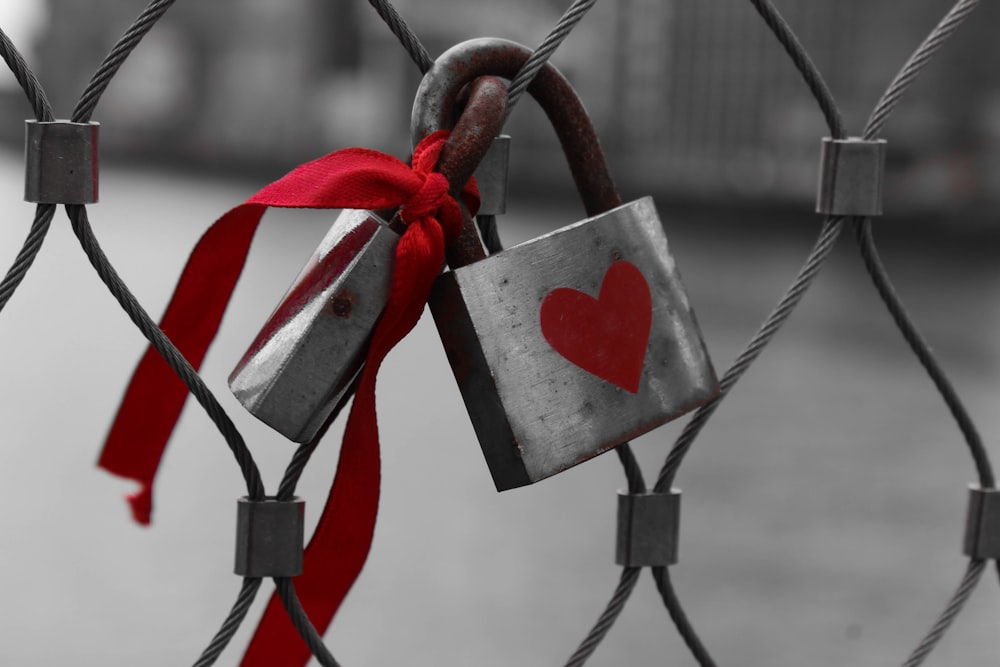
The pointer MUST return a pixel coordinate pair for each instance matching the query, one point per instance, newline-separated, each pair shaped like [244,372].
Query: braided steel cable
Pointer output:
[804,64]
[873,263]
[815,261]
[887,292]
[403,33]
[958,600]
[534,64]
[286,591]
[81,226]
[29,251]
[43,212]
[629,578]
[916,63]
[171,355]
[248,592]
[116,58]
[661,575]
[297,465]
[26,79]
[922,350]
[807,274]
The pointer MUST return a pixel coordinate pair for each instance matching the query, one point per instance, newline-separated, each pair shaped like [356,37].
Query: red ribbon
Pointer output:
[349,178]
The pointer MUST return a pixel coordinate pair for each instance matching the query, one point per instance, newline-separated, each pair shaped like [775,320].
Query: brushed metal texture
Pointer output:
[312,346]
[535,413]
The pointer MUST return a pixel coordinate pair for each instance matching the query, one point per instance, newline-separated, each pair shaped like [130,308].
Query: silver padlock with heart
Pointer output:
[575,342]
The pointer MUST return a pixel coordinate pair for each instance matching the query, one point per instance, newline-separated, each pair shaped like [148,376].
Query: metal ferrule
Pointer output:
[648,529]
[269,537]
[982,524]
[851,173]
[61,164]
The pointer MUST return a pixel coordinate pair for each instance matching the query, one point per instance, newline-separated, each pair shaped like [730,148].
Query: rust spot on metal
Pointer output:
[342,304]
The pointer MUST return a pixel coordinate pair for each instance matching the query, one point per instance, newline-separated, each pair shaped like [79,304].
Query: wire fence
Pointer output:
[828,235]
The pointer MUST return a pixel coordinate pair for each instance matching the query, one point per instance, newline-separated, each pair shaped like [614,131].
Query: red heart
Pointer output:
[606,336]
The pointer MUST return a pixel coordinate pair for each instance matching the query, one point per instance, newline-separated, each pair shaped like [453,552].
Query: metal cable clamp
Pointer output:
[269,537]
[851,173]
[982,523]
[60,162]
[648,528]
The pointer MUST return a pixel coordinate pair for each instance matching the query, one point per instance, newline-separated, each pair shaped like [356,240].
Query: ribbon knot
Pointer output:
[432,196]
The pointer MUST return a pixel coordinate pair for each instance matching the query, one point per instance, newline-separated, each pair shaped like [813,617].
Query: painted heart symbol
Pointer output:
[606,336]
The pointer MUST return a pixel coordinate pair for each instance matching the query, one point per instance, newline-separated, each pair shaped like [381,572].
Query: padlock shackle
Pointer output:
[481,120]
[434,107]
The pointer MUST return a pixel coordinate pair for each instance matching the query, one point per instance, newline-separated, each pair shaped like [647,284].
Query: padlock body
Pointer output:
[559,352]
[313,344]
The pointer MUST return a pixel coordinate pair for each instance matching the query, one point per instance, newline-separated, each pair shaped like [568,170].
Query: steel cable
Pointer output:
[887,292]
[286,591]
[915,64]
[26,79]
[958,600]
[923,352]
[817,257]
[248,592]
[661,575]
[403,33]
[534,64]
[29,251]
[78,216]
[629,578]
[171,355]
[873,263]
[116,58]
[43,212]
[807,274]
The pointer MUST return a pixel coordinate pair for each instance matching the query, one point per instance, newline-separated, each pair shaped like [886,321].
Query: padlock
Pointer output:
[312,346]
[305,358]
[573,343]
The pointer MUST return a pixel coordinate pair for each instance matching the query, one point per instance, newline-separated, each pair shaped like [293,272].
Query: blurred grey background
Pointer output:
[823,506]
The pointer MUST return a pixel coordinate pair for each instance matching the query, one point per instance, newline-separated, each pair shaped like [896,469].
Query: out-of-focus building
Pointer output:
[692,97]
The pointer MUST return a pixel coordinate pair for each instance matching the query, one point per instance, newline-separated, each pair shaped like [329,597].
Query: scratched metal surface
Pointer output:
[555,413]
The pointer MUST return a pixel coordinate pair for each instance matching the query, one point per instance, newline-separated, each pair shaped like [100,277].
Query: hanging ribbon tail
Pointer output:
[339,547]
[155,397]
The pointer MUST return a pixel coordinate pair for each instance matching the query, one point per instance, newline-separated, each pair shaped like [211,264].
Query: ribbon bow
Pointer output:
[349,178]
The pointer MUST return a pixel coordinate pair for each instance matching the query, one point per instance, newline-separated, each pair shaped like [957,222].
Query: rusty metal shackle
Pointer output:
[480,122]
[434,107]
[472,135]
